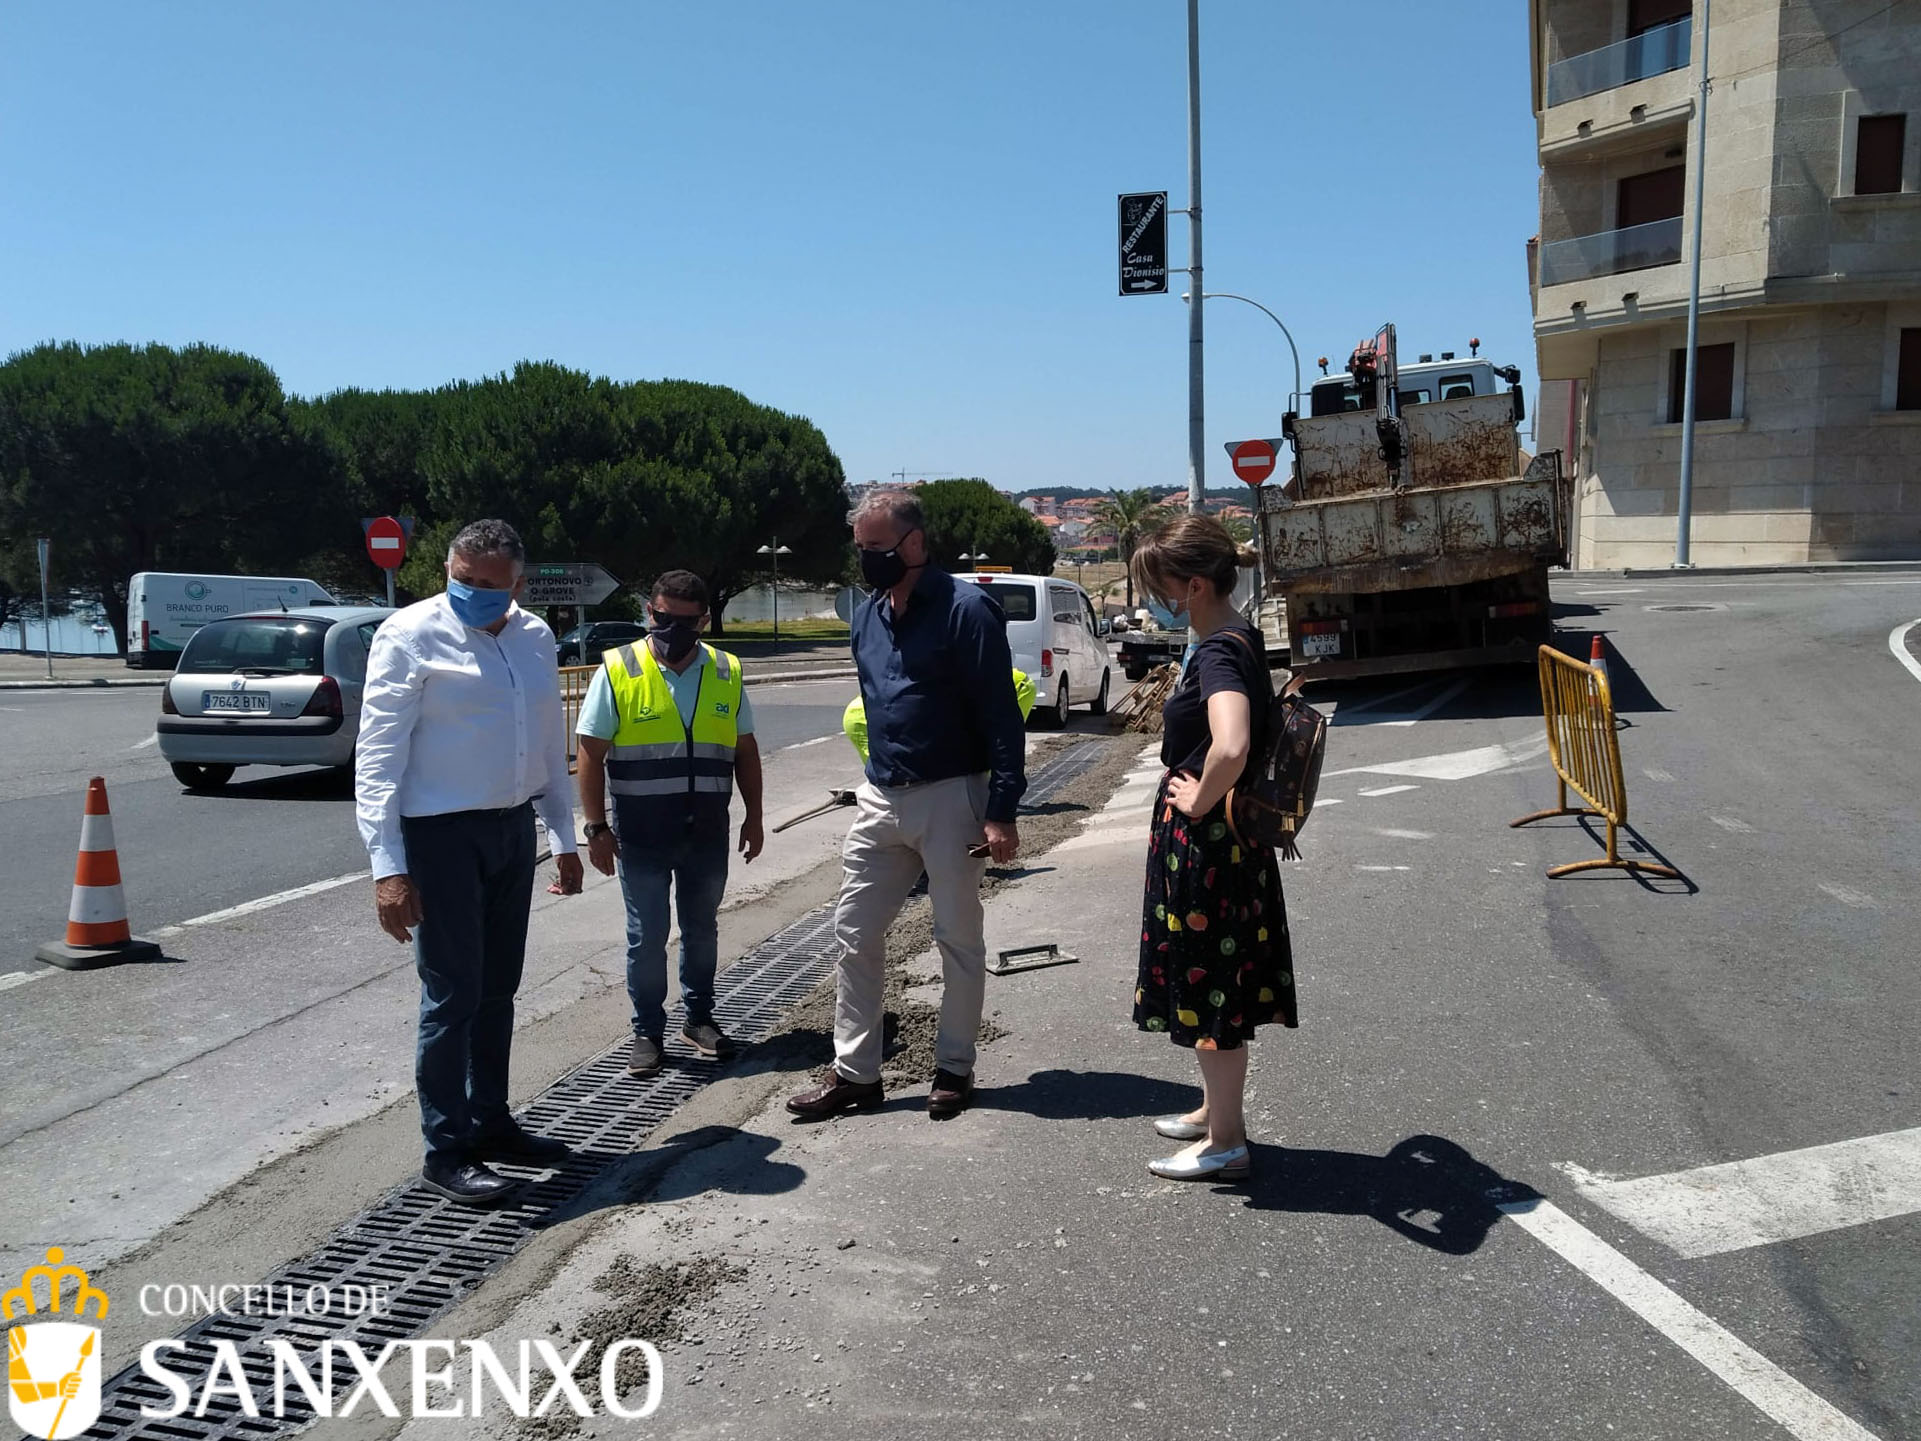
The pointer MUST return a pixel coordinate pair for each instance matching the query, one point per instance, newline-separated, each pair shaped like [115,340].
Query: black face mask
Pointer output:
[676,635]
[884,569]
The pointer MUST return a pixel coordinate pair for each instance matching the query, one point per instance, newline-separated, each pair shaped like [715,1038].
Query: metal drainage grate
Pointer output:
[1692,607]
[429,1252]
[1068,764]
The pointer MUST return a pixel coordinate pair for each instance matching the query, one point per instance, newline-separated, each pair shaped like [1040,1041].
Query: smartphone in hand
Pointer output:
[978,851]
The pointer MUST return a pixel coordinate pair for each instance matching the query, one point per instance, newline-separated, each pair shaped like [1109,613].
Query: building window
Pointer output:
[1907,370]
[1653,195]
[1644,15]
[1713,381]
[1878,142]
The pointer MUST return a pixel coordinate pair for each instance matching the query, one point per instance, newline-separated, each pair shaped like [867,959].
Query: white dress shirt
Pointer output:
[455,719]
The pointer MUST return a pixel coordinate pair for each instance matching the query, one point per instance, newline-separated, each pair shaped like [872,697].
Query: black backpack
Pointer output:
[1276,793]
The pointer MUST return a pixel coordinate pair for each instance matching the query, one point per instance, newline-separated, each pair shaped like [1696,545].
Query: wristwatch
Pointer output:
[594,830]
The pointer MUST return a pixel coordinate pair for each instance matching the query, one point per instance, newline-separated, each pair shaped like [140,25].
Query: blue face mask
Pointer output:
[1166,617]
[478,608]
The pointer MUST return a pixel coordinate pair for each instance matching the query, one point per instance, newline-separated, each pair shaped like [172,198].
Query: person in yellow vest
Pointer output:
[666,729]
[853,720]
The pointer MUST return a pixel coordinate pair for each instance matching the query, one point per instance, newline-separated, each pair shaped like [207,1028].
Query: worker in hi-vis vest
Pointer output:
[853,720]
[667,730]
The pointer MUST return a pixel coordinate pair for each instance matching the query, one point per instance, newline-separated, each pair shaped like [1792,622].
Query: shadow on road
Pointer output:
[334,783]
[1427,1189]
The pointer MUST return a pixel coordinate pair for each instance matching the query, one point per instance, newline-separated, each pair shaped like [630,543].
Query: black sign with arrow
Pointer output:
[1144,244]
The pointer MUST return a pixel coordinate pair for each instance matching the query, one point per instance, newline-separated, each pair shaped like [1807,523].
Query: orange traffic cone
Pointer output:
[97,929]
[1598,658]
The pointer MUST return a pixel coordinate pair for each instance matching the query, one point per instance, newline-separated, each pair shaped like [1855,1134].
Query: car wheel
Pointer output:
[201,778]
[1057,717]
[1100,701]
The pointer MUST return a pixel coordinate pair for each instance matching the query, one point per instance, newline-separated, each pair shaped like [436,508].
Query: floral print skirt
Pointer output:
[1215,956]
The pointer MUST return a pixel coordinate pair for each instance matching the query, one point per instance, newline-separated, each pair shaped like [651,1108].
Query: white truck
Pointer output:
[165,608]
[1411,537]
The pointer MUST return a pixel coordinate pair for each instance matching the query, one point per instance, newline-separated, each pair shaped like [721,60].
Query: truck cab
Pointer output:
[1422,383]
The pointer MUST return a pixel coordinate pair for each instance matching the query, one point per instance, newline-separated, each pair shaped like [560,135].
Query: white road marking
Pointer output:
[1387,790]
[1629,590]
[1713,1209]
[142,745]
[1729,823]
[265,903]
[1655,773]
[1319,804]
[802,745]
[1898,643]
[1881,582]
[1848,896]
[1758,1380]
[1403,718]
[20,978]
[1383,868]
[1404,835]
[1456,765]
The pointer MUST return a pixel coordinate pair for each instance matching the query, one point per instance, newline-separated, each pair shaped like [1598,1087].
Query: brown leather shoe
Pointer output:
[950,1096]
[836,1094]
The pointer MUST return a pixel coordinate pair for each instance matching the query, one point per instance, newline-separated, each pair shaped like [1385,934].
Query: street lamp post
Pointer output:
[776,551]
[1294,400]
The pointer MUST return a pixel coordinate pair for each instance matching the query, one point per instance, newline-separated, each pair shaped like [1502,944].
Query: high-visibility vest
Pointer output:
[661,772]
[853,720]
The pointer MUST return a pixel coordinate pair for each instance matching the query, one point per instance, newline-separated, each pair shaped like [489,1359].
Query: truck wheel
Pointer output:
[1131,670]
[1100,701]
[1057,717]
[201,778]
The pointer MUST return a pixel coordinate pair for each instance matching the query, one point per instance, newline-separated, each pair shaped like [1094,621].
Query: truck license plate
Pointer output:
[1321,646]
[233,700]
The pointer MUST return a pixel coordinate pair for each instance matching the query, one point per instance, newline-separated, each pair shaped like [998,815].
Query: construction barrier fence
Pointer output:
[1578,706]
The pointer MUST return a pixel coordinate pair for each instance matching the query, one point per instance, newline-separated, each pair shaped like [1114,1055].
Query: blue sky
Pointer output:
[896,217]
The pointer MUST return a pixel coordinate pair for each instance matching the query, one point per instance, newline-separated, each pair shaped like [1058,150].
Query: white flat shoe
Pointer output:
[1177,1129]
[1233,1164]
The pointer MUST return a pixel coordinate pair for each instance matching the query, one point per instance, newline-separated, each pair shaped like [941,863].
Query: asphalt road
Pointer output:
[184,855]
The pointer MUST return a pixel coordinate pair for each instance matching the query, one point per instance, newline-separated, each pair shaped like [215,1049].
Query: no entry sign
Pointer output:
[386,541]
[1253,459]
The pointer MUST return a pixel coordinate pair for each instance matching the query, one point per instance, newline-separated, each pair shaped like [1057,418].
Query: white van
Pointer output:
[1055,637]
[164,609]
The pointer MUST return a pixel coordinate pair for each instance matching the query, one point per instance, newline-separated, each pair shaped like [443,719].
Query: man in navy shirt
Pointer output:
[945,770]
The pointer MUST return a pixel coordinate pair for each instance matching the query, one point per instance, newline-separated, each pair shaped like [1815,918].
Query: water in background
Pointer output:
[73,633]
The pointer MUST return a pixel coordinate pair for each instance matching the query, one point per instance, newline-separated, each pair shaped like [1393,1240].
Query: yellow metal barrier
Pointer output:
[573,691]
[1579,709]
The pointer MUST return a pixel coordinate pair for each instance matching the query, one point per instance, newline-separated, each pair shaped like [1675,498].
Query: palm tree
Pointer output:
[1132,515]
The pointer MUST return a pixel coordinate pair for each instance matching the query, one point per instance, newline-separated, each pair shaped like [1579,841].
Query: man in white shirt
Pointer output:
[462,739]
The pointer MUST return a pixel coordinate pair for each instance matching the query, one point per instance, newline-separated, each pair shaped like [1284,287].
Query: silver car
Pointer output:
[275,688]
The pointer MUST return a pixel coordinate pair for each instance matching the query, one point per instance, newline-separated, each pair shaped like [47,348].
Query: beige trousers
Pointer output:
[898,832]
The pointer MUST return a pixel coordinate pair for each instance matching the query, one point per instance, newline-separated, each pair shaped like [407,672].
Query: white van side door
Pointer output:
[1065,636]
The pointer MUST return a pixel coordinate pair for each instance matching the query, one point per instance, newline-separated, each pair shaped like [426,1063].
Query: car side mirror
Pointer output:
[1105,628]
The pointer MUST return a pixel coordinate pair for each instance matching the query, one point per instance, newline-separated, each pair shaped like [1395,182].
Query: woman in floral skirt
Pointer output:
[1215,959]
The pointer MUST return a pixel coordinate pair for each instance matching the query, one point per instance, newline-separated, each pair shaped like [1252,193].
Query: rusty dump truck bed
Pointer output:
[1464,510]
[1418,536]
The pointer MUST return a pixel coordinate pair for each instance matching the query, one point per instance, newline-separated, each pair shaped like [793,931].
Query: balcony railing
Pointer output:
[1611,251]
[1652,52]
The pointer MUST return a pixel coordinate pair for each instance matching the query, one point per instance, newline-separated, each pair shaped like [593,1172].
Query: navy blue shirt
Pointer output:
[938,685]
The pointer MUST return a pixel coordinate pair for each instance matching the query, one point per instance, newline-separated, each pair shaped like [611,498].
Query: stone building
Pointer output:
[1808,433]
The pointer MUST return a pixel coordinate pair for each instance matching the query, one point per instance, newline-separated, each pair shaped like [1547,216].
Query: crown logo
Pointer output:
[56,1275]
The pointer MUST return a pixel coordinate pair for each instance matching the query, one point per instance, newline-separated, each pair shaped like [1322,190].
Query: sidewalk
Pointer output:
[29,672]
[1017,1271]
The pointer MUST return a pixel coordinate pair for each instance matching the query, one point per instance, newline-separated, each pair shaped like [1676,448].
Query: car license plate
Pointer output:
[213,700]
[1321,645]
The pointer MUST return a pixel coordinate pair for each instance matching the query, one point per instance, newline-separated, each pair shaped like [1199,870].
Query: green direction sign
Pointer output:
[567,583]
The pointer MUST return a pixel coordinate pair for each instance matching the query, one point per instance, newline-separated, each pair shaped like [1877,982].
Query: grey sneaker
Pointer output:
[709,1040]
[644,1058]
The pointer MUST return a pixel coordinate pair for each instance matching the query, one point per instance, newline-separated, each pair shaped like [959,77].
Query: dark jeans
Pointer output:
[694,863]
[474,871]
